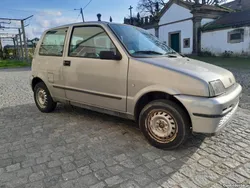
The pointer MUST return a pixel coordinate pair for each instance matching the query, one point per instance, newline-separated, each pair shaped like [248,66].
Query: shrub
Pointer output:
[227,54]
[206,53]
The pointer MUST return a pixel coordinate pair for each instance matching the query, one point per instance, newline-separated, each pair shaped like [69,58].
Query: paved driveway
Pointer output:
[73,147]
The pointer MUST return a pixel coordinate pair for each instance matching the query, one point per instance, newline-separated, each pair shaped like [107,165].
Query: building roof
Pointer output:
[234,19]
[185,4]
[190,6]
[238,5]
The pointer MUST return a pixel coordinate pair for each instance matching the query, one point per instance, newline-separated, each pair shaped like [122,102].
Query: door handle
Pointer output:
[66,63]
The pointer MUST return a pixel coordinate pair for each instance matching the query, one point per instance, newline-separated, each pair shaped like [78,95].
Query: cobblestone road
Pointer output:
[73,147]
[242,76]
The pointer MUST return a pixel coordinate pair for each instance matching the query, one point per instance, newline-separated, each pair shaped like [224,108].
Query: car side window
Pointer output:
[89,41]
[53,43]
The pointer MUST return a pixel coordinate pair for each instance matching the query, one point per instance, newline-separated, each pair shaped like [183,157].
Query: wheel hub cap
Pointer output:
[162,126]
[41,98]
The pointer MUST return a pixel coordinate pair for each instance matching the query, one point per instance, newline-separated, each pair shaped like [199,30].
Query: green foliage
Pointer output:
[230,54]
[232,62]
[1,54]
[206,53]
[6,53]
[227,54]
[12,64]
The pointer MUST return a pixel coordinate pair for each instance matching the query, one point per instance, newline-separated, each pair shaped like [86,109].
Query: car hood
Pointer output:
[194,68]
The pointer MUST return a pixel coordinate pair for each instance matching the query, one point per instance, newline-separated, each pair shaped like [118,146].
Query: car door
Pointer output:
[49,60]
[89,79]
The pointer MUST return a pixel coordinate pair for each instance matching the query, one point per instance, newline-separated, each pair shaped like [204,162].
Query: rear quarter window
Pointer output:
[53,43]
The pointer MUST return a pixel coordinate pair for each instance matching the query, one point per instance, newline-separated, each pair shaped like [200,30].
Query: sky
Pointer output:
[51,13]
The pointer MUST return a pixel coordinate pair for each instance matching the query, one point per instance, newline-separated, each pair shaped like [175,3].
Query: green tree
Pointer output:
[1,54]
[150,6]
[6,53]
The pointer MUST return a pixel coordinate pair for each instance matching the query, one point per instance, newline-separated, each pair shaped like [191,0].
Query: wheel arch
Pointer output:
[156,95]
[35,81]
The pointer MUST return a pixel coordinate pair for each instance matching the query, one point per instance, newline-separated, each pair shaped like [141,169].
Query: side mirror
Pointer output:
[110,55]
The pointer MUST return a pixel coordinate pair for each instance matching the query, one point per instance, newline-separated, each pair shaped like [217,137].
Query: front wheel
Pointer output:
[165,124]
[43,99]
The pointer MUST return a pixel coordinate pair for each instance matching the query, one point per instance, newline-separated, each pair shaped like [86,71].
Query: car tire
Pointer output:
[165,124]
[43,99]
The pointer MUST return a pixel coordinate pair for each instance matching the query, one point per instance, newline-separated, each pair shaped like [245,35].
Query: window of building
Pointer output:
[89,42]
[236,36]
[53,43]
[186,43]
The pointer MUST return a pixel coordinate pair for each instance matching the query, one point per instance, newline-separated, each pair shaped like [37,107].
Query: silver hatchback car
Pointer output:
[124,71]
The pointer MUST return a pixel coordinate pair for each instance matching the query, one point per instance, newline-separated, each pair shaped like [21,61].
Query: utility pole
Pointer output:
[1,47]
[21,43]
[1,51]
[81,12]
[21,35]
[25,42]
[130,8]
[14,42]
[17,48]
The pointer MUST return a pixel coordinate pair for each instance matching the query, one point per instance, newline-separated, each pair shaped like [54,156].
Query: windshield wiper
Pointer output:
[147,52]
[172,54]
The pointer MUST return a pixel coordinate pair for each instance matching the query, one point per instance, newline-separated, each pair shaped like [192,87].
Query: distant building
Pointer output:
[238,5]
[193,28]
[229,34]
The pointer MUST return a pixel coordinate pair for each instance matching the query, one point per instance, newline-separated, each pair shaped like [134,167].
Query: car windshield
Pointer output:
[140,42]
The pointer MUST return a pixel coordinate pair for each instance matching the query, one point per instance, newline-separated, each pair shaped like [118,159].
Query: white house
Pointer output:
[229,34]
[176,28]
[192,28]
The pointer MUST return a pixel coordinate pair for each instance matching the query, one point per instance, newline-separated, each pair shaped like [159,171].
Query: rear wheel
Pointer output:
[165,124]
[43,99]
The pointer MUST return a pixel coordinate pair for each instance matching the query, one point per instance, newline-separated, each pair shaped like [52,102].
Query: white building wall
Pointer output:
[175,13]
[217,42]
[152,31]
[186,29]
[206,20]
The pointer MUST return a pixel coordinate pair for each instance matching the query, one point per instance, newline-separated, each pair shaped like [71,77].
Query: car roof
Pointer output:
[84,23]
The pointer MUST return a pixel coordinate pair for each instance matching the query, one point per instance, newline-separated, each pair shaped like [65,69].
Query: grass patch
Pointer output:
[13,64]
[232,62]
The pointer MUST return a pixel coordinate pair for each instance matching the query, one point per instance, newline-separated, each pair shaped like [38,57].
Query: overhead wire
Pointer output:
[87,4]
[78,17]
[43,12]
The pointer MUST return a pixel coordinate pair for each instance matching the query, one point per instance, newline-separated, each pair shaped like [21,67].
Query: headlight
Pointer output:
[216,88]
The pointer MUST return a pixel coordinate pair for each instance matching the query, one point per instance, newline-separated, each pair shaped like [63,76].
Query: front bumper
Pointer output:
[210,115]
